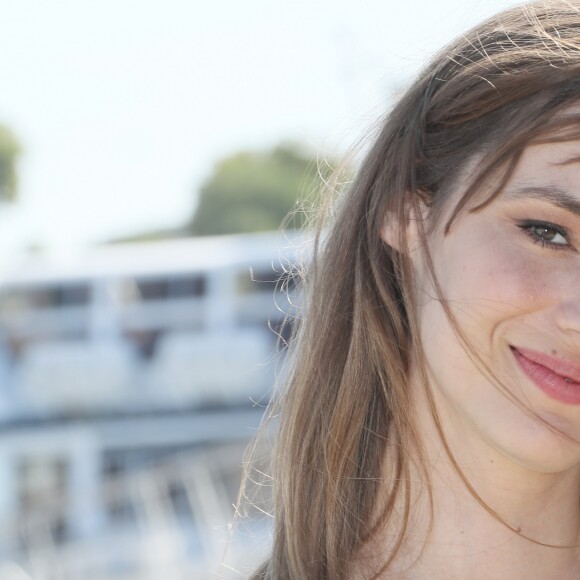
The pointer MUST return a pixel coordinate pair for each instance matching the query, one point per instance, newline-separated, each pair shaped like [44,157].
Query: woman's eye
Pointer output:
[546,234]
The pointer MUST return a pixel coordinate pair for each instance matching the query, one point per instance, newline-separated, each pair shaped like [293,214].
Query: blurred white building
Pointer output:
[124,359]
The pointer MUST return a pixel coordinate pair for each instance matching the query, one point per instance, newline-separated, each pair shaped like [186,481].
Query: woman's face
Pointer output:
[511,275]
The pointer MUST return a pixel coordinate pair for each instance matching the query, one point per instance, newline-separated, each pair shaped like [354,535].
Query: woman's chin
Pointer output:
[547,446]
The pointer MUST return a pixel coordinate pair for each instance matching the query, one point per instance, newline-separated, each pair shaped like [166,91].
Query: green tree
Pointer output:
[255,191]
[9,152]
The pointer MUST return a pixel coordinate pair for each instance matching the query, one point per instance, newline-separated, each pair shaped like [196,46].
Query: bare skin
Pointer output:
[468,542]
[511,275]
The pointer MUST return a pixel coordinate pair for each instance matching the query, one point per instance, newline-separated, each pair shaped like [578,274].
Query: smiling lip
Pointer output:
[558,379]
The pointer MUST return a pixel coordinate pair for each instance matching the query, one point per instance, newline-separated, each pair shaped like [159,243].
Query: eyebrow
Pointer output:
[548,193]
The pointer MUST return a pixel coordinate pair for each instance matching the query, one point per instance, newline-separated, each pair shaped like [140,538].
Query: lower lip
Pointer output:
[551,383]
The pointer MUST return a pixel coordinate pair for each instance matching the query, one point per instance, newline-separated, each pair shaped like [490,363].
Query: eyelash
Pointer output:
[528,226]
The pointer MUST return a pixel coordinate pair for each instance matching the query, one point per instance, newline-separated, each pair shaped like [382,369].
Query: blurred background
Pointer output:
[149,152]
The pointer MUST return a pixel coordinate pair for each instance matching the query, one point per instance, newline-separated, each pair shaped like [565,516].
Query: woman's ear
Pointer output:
[401,232]
[392,231]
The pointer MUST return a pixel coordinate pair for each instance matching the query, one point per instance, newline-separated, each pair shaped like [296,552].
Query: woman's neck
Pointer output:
[466,540]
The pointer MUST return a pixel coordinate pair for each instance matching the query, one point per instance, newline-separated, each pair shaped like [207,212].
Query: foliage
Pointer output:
[9,152]
[256,191]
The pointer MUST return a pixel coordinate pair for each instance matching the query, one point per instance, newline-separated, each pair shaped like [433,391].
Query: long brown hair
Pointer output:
[506,83]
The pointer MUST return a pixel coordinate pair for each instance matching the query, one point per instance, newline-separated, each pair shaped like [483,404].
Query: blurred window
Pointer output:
[188,286]
[171,287]
[50,296]
[117,498]
[265,280]
[144,341]
[153,289]
[43,491]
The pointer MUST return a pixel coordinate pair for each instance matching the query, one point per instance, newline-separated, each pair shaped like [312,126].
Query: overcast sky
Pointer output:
[123,106]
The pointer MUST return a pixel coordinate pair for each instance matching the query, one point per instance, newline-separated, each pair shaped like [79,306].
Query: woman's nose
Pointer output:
[568,313]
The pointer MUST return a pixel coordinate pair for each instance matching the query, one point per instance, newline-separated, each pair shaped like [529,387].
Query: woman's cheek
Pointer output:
[500,276]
